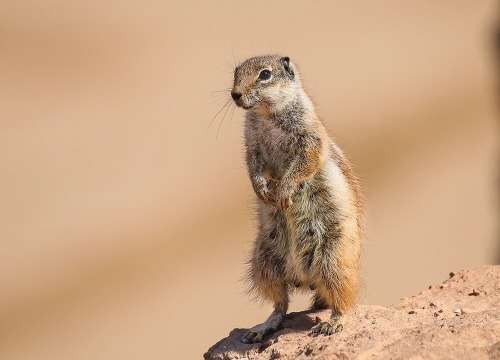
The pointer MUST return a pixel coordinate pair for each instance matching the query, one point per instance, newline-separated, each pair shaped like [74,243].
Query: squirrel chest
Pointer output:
[277,146]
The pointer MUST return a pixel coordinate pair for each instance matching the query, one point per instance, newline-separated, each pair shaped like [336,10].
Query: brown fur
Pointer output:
[310,213]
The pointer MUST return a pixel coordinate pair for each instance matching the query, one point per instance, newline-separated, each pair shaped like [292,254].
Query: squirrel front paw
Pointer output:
[284,195]
[264,189]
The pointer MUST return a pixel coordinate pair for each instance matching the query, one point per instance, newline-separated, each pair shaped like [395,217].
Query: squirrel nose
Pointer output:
[235,95]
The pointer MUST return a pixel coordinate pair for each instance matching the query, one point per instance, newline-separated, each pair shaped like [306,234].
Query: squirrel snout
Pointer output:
[235,95]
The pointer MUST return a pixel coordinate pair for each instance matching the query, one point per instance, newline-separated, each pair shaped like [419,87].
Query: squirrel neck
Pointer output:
[295,115]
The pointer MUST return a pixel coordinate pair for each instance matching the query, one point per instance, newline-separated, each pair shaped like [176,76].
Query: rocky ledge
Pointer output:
[457,319]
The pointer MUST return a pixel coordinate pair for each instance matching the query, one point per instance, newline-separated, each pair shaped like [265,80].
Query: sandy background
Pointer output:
[124,220]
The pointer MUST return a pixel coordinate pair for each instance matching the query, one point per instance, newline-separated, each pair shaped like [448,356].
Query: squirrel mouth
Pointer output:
[239,103]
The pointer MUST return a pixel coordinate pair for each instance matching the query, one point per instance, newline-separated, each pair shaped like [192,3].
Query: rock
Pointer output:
[474,334]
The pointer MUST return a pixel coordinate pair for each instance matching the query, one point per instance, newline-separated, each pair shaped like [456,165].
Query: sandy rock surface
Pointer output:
[458,319]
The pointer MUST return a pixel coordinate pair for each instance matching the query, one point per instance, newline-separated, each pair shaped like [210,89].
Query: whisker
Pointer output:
[222,120]
[237,56]
[231,121]
[217,100]
[226,65]
[234,58]
[253,48]
[222,108]
[220,91]
[219,96]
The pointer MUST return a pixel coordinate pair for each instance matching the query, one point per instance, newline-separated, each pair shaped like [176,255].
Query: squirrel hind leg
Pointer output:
[318,303]
[339,300]
[273,323]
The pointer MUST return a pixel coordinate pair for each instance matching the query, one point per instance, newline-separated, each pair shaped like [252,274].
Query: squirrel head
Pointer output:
[265,84]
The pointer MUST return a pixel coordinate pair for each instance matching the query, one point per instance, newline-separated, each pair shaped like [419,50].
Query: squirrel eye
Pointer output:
[265,74]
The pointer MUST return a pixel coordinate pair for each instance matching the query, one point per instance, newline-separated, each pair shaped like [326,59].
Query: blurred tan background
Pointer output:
[124,220]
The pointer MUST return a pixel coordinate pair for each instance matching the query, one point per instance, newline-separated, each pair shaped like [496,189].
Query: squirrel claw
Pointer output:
[329,327]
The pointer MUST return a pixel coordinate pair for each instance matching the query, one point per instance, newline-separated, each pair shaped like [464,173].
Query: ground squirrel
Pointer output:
[310,208]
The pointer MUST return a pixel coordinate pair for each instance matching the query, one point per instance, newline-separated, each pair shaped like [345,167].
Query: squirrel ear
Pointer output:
[286,64]
[285,61]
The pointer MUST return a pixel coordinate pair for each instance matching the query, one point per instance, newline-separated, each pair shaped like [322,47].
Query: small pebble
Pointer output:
[474,293]
[308,351]
[275,354]
[412,312]
[457,312]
